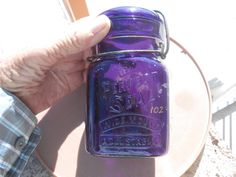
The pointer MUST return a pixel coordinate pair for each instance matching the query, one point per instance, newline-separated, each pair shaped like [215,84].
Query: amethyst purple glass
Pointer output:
[128,87]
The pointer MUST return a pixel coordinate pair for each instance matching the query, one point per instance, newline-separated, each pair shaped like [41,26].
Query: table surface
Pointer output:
[211,162]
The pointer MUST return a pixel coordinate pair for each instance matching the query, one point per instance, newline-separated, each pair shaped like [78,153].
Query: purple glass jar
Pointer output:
[128,87]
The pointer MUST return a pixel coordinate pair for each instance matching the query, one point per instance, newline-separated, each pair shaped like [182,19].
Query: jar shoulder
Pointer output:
[136,63]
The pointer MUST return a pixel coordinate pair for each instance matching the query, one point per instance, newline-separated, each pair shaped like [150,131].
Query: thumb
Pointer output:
[81,35]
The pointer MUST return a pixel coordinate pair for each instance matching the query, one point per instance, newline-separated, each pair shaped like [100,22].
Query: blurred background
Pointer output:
[206,28]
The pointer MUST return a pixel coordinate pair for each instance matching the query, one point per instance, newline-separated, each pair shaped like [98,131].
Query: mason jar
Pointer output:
[127,86]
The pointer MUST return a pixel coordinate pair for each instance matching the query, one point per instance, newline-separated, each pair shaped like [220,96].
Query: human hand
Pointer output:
[40,77]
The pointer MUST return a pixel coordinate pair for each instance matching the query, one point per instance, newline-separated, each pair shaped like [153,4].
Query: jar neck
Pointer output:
[119,56]
[128,44]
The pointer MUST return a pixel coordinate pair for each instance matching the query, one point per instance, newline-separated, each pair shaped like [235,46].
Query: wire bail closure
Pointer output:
[162,50]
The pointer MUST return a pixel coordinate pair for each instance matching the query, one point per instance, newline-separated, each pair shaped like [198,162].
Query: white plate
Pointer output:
[62,148]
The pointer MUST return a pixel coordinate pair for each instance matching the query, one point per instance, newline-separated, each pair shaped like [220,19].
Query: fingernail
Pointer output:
[100,23]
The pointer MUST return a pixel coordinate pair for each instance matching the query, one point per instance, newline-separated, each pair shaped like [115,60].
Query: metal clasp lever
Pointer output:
[164,47]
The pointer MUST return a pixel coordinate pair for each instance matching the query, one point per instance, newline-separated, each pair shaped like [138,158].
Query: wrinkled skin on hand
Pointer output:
[40,77]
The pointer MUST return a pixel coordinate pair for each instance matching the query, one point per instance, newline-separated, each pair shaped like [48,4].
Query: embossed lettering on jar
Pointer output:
[128,87]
